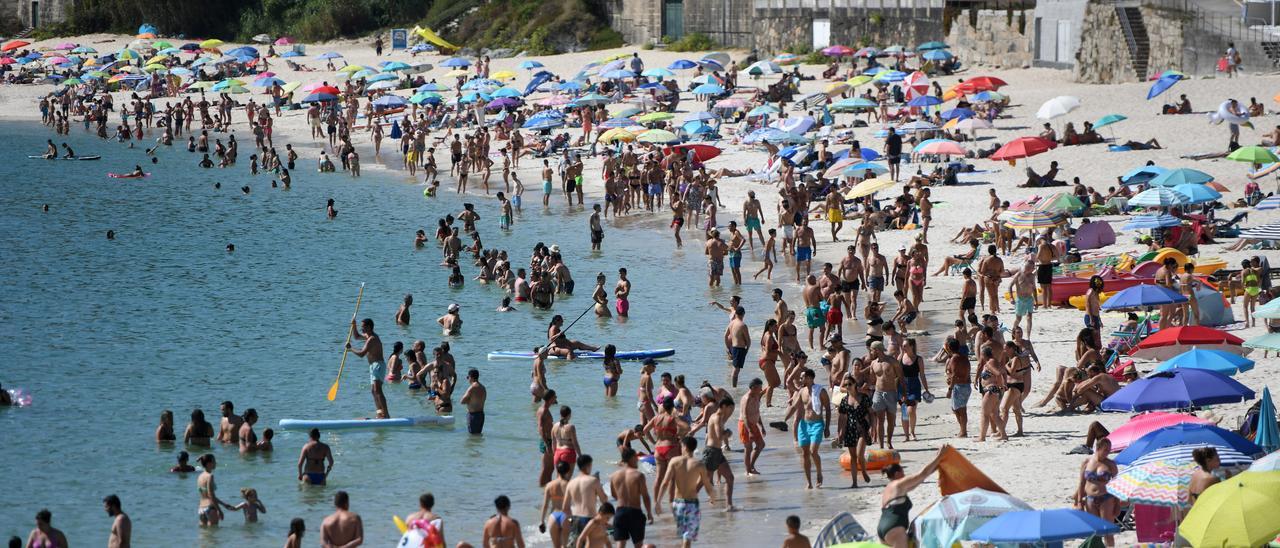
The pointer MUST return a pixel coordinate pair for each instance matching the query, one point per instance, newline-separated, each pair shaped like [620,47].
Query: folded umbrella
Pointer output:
[1268,436]
[1176,389]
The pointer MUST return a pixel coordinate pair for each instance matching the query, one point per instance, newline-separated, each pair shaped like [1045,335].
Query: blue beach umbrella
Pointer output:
[267,82]
[1268,203]
[1177,389]
[455,62]
[507,92]
[767,109]
[921,101]
[530,65]
[937,55]
[549,122]
[957,516]
[319,98]
[329,55]
[426,97]
[930,46]
[393,66]
[1146,222]
[1268,436]
[1181,176]
[618,74]
[1042,526]
[859,169]
[1159,197]
[852,104]
[708,89]
[1211,360]
[432,86]
[1108,120]
[618,122]
[704,115]
[1162,84]
[389,101]
[658,72]
[1143,296]
[958,113]
[1142,175]
[569,86]
[1187,434]
[382,77]
[292,53]
[1197,194]
[682,64]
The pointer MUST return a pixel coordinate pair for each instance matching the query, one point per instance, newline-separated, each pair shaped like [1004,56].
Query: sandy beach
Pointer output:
[1036,467]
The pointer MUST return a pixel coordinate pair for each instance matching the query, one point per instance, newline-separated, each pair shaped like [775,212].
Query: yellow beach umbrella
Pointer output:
[503,75]
[157,59]
[455,73]
[858,80]
[869,187]
[351,68]
[657,136]
[212,43]
[836,88]
[615,57]
[655,117]
[155,67]
[1240,511]
[290,87]
[617,134]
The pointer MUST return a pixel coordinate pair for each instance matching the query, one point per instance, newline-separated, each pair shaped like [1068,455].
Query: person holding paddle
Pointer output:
[372,351]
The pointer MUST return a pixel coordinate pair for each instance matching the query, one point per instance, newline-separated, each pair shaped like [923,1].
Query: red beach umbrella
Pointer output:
[1167,343]
[14,44]
[1023,147]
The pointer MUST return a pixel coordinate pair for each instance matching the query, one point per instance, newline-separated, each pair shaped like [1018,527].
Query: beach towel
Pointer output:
[957,474]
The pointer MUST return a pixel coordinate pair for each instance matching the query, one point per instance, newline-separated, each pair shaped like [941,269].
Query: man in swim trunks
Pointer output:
[315,461]
[229,428]
[597,231]
[1024,290]
[884,402]
[969,292]
[753,214]
[813,404]
[582,495]
[835,213]
[474,399]
[713,454]
[1046,253]
[622,292]
[372,351]
[736,241]
[738,339]
[715,250]
[990,272]
[687,476]
[852,278]
[813,315]
[806,246]
[628,486]
[751,426]
[877,268]
[343,527]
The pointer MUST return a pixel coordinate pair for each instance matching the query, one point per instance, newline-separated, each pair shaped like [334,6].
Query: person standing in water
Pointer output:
[372,351]
[315,461]
[686,477]
[474,399]
[597,231]
[121,525]
[629,488]
[502,531]
[622,292]
[343,527]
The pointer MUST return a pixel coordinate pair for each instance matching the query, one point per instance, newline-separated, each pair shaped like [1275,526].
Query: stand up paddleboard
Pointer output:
[356,424]
[81,158]
[634,355]
[127,175]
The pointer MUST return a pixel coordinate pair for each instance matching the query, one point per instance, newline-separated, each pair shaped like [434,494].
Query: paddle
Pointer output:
[333,390]
[566,329]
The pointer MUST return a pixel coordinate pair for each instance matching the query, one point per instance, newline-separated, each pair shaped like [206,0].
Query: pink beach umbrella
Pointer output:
[732,102]
[65,45]
[555,101]
[1147,423]
[941,147]
[284,41]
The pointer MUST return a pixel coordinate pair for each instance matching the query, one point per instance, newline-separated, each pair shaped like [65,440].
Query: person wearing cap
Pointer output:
[715,250]
[812,404]
[884,402]
[451,321]
[895,505]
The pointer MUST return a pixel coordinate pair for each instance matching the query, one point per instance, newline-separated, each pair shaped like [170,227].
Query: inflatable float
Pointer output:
[127,175]
[19,397]
[701,152]
[1224,114]
[1204,265]
[1078,301]
[633,355]
[356,424]
[876,459]
[80,158]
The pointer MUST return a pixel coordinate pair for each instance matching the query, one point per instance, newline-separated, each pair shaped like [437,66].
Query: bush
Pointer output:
[693,42]
[815,58]
[799,49]
[607,38]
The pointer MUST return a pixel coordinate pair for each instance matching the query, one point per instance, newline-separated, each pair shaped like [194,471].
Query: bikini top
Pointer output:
[1100,477]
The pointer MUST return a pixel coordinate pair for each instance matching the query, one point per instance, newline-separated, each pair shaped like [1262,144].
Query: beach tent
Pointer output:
[1214,311]
[1096,234]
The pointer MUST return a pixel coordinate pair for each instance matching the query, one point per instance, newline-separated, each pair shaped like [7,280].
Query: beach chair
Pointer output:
[966,262]
[1124,341]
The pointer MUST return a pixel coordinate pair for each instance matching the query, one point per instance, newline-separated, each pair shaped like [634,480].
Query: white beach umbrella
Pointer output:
[1058,106]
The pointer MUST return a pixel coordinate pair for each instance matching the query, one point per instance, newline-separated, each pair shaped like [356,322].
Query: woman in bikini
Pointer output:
[1086,353]
[769,350]
[991,385]
[1209,471]
[895,504]
[209,512]
[1091,493]
[538,386]
[612,370]
[560,344]
[552,499]
[1018,369]
[601,298]
[790,345]
[199,431]
[668,428]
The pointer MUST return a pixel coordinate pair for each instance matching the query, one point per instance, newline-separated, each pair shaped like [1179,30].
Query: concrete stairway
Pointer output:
[1135,33]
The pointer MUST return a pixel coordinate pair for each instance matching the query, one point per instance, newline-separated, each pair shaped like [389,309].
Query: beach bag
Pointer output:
[1222,64]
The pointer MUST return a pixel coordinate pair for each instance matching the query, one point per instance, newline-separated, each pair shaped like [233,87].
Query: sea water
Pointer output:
[105,334]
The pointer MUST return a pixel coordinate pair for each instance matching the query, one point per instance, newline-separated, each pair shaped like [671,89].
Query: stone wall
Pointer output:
[1165,35]
[639,21]
[51,11]
[1103,57]
[776,30]
[729,22]
[992,38]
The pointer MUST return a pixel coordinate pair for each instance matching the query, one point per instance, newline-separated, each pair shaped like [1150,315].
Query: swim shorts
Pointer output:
[810,432]
[960,396]
[475,422]
[739,356]
[712,458]
[628,524]
[688,518]
[884,401]
[876,283]
[1024,306]
[813,317]
[834,316]
[597,236]
[752,223]
[546,186]
[750,433]
[735,259]
[788,232]
[1044,274]
[1093,321]
[909,317]
[850,286]
[622,306]
[804,253]
[968,303]
[377,371]
[835,216]
[716,266]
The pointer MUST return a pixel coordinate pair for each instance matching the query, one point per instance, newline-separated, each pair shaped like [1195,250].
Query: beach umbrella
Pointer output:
[1058,106]
[329,55]
[682,64]
[1185,452]
[890,76]
[593,99]
[1023,147]
[859,168]
[1268,436]
[764,67]
[455,62]
[1034,220]
[956,516]
[852,104]
[896,48]
[1264,232]
[1269,463]
[618,123]
[1167,343]
[1268,203]
[920,101]
[798,125]
[731,103]
[1212,360]
[1159,197]
[618,74]
[1042,526]
[72,82]
[1181,176]
[1254,155]
[1187,434]
[653,117]
[389,101]
[937,55]
[858,80]
[473,97]
[787,59]
[942,147]
[1146,423]
[837,51]
[1176,389]
[971,124]
[617,134]
[916,126]
[1239,511]
[14,44]
[869,187]
[547,122]
[988,96]
[708,89]
[987,83]
[127,54]
[1146,222]
[382,77]
[1269,311]
[503,103]
[661,136]
[704,115]
[267,82]
[1143,174]
[351,69]
[1108,120]
[1197,194]
[1162,84]
[954,113]
[1156,483]
[867,52]
[317,97]
[84,49]
[1143,296]
[531,64]
[916,84]
[212,43]
[395,66]
[426,97]
[1060,202]
[929,46]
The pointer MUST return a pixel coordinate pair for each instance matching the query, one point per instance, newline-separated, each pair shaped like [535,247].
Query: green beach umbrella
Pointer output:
[655,117]
[203,84]
[1253,155]
[128,55]
[72,82]
[161,44]
[1108,120]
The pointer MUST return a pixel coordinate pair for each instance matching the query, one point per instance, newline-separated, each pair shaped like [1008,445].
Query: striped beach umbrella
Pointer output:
[944,147]
[1227,456]
[1159,197]
[1034,220]
[1264,232]
[1157,483]
[661,136]
[1060,202]
[1144,222]
[1269,203]
[617,134]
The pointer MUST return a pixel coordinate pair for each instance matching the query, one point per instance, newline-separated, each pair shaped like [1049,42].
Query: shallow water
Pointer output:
[106,334]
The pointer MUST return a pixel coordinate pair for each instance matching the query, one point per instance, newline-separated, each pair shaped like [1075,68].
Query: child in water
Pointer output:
[251,505]
[183,466]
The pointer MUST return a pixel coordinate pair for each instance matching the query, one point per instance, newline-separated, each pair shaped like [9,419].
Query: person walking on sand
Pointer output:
[343,527]
[1024,300]
[630,490]
[884,402]
[1046,254]
[958,386]
[474,399]
[502,531]
[372,351]
[812,404]
[315,461]
[990,271]
[686,477]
